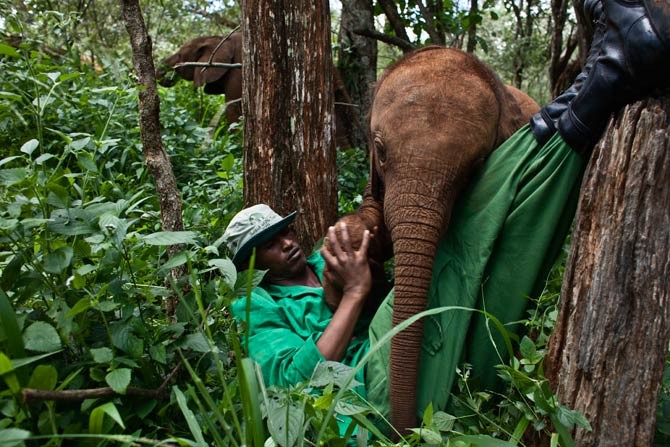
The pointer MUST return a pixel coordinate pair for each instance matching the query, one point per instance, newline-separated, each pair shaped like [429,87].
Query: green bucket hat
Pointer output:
[252,227]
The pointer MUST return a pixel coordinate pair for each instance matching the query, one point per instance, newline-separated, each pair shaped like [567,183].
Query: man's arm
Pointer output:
[349,269]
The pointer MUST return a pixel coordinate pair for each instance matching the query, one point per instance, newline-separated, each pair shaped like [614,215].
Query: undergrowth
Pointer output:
[89,355]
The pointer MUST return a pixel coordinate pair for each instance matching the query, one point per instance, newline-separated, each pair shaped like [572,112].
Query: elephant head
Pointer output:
[216,80]
[436,115]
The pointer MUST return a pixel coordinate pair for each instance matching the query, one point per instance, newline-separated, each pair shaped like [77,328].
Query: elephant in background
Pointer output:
[436,115]
[217,80]
[228,81]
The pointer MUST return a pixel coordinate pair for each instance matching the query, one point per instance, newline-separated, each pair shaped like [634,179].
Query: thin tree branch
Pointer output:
[31,395]
[391,12]
[406,45]
[435,37]
[206,64]
[156,158]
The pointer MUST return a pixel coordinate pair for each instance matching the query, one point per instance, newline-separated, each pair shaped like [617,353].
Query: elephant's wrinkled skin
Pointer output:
[217,80]
[437,114]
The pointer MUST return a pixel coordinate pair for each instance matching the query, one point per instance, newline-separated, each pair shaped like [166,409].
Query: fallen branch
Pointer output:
[31,395]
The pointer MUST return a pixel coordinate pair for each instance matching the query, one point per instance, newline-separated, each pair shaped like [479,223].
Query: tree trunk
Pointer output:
[357,65]
[472,26]
[150,132]
[289,154]
[607,352]
[563,68]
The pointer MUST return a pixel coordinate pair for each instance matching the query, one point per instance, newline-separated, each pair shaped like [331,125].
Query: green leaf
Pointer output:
[483,441]
[85,160]
[44,157]
[570,417]
[102,355]
[429,436]
[97,416]
[11,437]
[171,238]
[41,337]
[80,143]
[527,348]
[349,409]
[241,288]
[119,379]
[6,160]
[195,342]
[158,353]
[193,425]
[13,343]
[12,176]
[18,363]
[443,421]
[180,258]
[80,306]
[57,261]
[227,269]
[30,146]
[44,377]
[248,376]
[8,50]
[336,373]
[72,222]
[285,421]
[7,373]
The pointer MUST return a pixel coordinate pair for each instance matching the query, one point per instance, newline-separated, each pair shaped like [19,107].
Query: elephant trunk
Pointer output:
[415,231]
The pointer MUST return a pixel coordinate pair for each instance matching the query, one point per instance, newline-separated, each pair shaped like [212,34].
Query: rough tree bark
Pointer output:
[357,65]
[152,144]
[607,352]
[289,155]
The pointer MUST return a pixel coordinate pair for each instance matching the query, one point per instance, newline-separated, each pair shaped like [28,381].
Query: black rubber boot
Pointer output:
[633,61]
[543,123]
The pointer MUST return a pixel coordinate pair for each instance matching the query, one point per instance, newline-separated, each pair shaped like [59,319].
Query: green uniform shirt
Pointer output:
[286,322]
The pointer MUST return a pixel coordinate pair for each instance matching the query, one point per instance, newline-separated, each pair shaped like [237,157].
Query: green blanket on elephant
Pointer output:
[505,234]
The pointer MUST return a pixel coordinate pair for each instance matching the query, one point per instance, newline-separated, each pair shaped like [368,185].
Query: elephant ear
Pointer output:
[210,75]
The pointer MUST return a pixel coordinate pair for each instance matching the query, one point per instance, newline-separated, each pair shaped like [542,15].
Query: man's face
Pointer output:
[282,256]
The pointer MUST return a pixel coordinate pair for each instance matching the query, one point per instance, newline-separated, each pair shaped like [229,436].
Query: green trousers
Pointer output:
[506,232]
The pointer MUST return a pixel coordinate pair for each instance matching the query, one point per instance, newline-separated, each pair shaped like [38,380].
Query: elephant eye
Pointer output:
[380,149]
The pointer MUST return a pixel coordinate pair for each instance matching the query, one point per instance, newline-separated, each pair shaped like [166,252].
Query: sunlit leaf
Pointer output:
[285,421]
[8,50]
[119,379]
[30,146]
[97,416]
[334,373]
[11,437]
[102,355]
[171,238]
[429,436]
[41,337]
[12,176]
[44,377]
[227,269]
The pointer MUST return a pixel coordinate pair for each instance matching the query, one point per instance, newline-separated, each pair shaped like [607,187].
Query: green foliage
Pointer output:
[85,275]
[83,258]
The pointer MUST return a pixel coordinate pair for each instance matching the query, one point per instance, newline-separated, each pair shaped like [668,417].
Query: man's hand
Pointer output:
[347,268]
